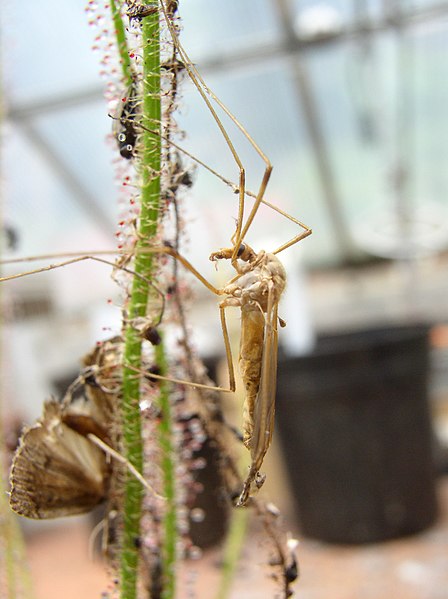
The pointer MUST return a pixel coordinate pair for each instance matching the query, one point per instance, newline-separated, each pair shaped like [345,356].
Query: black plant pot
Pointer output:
[355,427]
[212,501]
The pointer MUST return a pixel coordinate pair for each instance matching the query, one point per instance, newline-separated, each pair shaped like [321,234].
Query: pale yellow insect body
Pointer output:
[256,289]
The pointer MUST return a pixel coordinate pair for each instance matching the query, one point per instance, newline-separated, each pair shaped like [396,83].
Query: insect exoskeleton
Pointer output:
[261,275]
[256,290]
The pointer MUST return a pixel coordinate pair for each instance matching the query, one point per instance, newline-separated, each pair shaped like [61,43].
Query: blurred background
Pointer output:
[349,100]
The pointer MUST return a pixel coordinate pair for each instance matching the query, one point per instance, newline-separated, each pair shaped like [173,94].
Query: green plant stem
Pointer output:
[168,468]
[149,169]
[232,550]
[123,50]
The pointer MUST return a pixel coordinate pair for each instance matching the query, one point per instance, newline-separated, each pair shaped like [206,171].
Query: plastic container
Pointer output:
[355,427]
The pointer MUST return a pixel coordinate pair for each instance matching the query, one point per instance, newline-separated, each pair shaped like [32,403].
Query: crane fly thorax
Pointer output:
[262,276]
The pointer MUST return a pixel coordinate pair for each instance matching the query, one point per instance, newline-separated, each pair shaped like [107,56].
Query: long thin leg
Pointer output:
[95,256]
[198,82]
[260,199]
[241,231]
[204,90]
[161,250]
[183,382]
[116,456]
[98,529]
[81,259]
[295,239]
[225,334]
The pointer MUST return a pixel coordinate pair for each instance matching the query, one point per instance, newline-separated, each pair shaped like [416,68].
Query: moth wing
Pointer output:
[83,416]
[56,471]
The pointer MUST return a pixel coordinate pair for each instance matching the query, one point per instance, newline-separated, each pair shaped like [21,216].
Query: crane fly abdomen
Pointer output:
[251,352]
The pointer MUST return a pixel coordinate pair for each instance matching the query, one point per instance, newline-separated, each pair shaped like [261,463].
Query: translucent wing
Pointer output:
[264,406]
[56,471]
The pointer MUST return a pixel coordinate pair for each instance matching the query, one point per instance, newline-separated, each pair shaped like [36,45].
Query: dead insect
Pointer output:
[57,471]
[63,463]
[173,66]
[152,335]
[177,177]
[256,289]
[292,571]
[137,12]
[125,126]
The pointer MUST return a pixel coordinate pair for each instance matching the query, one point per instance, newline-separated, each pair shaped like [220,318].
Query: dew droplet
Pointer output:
[197,514]
[183,527]
[195,552]
[200,463]
[195,426]
[200,438]
[186,454]
[182,511]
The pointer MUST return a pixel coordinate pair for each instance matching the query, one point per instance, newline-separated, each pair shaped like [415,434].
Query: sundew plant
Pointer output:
[148,408]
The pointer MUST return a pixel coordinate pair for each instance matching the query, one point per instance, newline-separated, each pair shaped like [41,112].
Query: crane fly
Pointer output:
[256,289]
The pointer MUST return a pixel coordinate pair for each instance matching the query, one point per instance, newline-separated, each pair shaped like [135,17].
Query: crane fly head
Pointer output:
[246,253]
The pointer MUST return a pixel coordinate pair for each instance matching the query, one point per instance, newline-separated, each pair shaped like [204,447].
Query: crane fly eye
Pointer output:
[241,250]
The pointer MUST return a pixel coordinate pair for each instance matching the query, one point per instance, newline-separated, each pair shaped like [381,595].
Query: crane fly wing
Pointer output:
[56,471]
[264,407]
[250,362]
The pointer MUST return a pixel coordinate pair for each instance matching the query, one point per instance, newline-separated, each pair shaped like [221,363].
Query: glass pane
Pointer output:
[210,28]
[48,50]
[388,141]
[264,101]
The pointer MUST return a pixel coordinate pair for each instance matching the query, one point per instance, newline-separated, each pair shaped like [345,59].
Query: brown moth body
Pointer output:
[57,470]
